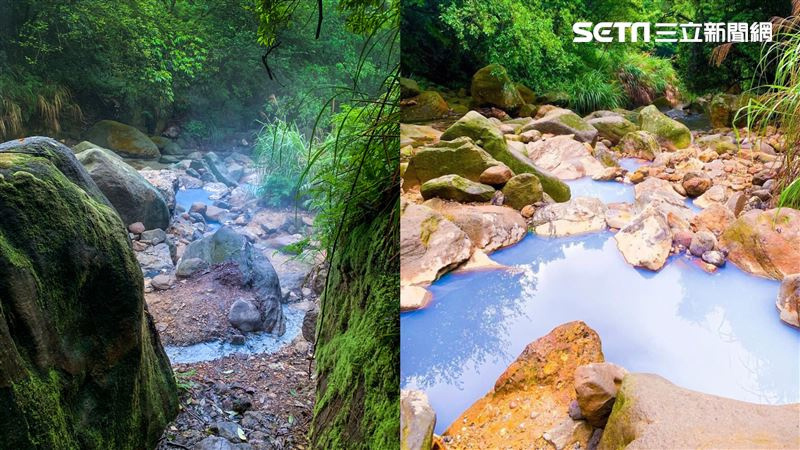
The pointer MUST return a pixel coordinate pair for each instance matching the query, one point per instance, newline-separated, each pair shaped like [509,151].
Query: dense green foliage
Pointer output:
[778,103]
[152,63]
[143,62]
[352,184]
[446,41]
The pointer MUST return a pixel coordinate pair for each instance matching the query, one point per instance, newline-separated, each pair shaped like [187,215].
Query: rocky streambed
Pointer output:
[662,239]
[233,305]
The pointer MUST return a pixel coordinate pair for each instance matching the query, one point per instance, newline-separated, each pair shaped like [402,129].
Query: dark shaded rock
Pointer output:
[122,139]
[310,325]
[257,272]
[134,198]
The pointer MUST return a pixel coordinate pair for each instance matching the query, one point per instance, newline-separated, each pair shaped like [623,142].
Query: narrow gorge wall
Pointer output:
[358,349]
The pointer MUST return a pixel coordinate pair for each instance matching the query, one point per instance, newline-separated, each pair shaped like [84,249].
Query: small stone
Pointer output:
[702,242]
[714,257]
[229,431]
[153,237]
[527,211]
[696,184]
[237,339]
[496,175]
[198,207]
[136,228]
[162,282]
[575,411]
[244,316]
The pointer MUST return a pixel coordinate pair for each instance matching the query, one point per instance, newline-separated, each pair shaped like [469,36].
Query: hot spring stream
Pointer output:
[716,333]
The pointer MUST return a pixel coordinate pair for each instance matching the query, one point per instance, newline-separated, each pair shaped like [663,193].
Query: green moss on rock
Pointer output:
[671,133]
[454,187]
[485,134]
[358,350]
[521,190]
[491,86]
[81,365]
[428,105]
[459,156]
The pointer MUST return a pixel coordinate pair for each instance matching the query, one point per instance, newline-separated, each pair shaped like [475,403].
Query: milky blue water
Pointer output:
[255,343]
[716,333]
[185,197]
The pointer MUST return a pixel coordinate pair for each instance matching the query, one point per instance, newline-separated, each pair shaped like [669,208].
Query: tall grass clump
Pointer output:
[592,91]
[28,104]
[778,102]
[644,77]
[282,153]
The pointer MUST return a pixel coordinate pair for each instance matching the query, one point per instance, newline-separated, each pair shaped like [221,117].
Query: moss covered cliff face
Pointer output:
[81,365]
[358,349]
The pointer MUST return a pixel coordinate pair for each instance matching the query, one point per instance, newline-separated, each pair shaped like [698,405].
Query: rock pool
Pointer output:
[716,333]
[185,197]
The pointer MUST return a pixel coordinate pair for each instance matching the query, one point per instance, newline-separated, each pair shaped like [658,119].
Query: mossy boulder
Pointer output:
[167,146]
[483,132]
[722,110]
[457,188]
[765,243]
[720,143]
[360,408]
[428,105]
[560,121]
[122,139]
[409,88]
[527,94]
[640,144]
[522,190]
[527,110]
[491,86]
[460,156]
[670,133]
[612,127]
[81,364]
[134,198]
[651,412]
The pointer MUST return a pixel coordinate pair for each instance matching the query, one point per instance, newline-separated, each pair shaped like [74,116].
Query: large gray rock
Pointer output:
[430,245]
[417,421]
[460,157]
[578,216]
[650,412]
[563,121]
[132,196]
[81,364]
[123,139]
[460,189]
[219,169]
[226,245]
